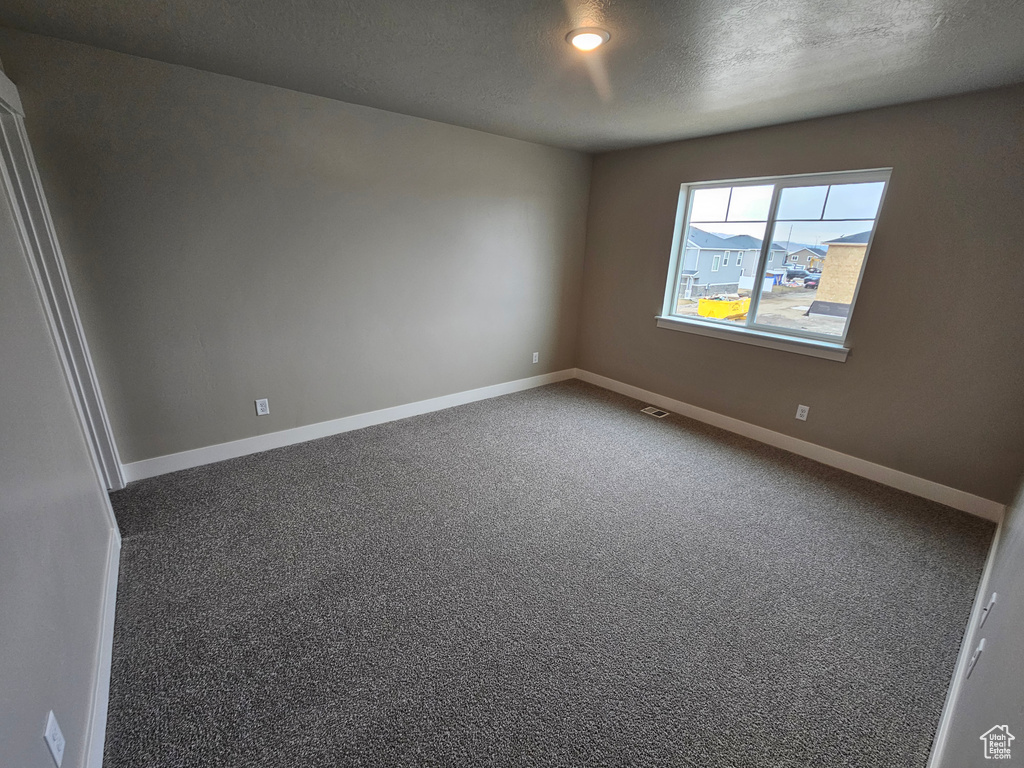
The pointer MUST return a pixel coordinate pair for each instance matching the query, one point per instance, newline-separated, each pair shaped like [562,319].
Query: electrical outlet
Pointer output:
[262,407]
[54,738]
[974,659]
[536,357]
[802,411]
[987,610]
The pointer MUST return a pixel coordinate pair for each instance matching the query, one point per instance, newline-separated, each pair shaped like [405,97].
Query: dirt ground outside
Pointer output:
[783,307]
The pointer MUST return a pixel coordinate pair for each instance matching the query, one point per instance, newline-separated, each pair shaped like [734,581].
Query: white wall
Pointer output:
[932,384]
[54,532]
[994,693]
[229,240]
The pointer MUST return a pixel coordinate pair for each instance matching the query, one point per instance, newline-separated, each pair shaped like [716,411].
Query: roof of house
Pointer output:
[744,242]
[701,239]
[860,237]
[815,249]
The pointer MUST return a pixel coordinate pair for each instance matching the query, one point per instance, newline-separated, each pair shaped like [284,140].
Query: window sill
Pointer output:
[822,349]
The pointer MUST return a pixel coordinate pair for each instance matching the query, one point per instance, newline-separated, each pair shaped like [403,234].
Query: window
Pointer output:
[835,213]
[739,259]
[715,262]
[725,259]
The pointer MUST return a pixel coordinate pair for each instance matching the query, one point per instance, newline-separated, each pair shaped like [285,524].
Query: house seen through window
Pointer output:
[801,243]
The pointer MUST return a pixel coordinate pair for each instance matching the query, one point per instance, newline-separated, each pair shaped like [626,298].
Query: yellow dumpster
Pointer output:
[724,309]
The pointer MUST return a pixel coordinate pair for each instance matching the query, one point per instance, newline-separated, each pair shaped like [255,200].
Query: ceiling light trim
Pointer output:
[588,38]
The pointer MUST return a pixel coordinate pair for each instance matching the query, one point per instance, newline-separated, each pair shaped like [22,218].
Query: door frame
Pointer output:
[39,239]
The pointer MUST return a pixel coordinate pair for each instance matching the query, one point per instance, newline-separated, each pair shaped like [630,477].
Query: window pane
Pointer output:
[710,286]
[710,204]
[816,294]
[802,202]
[750,203]
[854,201]
[811,266]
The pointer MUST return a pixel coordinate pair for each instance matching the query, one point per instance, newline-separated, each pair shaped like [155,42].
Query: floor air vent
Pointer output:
[657,413]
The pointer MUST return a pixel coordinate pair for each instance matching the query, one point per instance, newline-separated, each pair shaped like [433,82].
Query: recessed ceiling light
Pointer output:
[588,38]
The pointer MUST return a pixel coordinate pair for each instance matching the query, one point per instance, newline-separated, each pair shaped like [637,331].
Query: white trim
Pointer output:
[927,489]
[97,729]
[23,189]
[39,240]
[809,179]
[175,462]
[963,659]
[10,100]
[768,249]
[716,262]
[757,338]
[677,258]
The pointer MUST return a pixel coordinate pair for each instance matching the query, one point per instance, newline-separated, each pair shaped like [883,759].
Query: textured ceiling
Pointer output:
[673,69]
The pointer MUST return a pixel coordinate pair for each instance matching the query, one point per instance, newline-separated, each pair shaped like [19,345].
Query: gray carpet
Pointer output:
[545,579]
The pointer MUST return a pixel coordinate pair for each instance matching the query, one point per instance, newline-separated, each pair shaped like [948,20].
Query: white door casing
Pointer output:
[39,239]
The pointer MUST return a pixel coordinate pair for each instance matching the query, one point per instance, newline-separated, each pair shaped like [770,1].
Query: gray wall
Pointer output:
[994,693]
[229,240]
[54,532]
[932,386]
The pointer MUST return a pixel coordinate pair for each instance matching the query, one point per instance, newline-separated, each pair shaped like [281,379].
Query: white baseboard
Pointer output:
[966,502]
[97,730]
[174,462]
[928,489]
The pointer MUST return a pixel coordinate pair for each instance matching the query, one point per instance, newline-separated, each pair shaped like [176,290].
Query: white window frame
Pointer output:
[716,262]
[725,259]
[739,259]
[751,332]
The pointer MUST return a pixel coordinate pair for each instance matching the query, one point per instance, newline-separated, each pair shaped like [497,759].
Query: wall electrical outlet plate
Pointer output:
[987,610]
[801,412]
[262,407]
[974,659]
[536,357]
[54,738]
